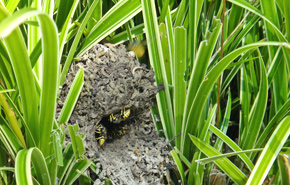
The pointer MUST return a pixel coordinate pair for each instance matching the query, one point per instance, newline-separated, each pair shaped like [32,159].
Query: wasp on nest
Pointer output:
[112,126]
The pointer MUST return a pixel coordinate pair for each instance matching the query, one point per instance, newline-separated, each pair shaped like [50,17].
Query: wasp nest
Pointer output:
[114,81]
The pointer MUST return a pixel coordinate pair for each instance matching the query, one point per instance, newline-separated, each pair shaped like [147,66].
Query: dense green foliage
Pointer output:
[225,68]
[215,54]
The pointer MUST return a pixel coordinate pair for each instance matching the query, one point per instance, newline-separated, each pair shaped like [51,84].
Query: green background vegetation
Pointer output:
[224,66]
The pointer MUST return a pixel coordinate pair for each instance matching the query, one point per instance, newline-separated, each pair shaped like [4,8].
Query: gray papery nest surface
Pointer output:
[114,80]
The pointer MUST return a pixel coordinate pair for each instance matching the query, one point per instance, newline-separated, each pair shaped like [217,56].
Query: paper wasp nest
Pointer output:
[115,80]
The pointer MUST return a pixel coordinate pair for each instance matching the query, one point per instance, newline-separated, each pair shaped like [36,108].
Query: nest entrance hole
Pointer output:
[114,130]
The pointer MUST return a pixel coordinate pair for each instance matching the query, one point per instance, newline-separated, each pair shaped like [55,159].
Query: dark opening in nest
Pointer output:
[110,131]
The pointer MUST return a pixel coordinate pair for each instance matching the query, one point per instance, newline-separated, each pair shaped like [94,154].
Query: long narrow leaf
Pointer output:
[197,77]
[117,16]
[157,61]
[233,146]
[270,152]
[271,125]
[76,41]
[21,65]
[179,66]
[212,159]
[49,79]
[225,164]
[72,97]
[179,165]
[257,113]
[207,84]
[23,167]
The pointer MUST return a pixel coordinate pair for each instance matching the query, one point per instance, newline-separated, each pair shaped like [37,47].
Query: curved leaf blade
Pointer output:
[270,152]
[225,164]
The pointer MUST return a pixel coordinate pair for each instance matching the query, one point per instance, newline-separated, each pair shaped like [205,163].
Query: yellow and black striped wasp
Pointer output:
[108,131]
[120,117]
[102,134]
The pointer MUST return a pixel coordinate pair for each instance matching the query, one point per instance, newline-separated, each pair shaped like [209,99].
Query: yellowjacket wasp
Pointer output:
[120,117]
[102,132]
[108,131]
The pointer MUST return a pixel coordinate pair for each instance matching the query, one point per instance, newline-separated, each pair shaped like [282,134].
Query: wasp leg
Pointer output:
[98,131]
[122,111]
[126,113]
[112,118]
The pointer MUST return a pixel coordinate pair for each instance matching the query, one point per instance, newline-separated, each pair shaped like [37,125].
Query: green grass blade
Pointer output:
[232,145]
[139,29]
[123,36]
[182,9]
[202,61]
[256,11]
[76,42]
[225,164]
[72,97]
[249,25]
[121,13]
[166,53]
[66,8]
[97,14]
[23,167]
[212,159]
[184,160]
[235,17]
[50,58]
[157,61]
[210,120]
[7,169]
[170,40]
[35,54]
[57,146]
[194,14]
[206,86]
[77,142]
[280,89]
[270,152]
[179,166]
[283,164]
[199,69]
[18,113]
[49,80]
[68,158]
[8,77]
[225,124]
[77,169]
[65,25]
[229,78]
[21,65]
[164,10]
[13,123]
[8,139]
[11,5]
[274,65]
[244,100]
[270,24]
[286,5]
[179,66]
[48,6]
[33,35]
[250,134]
[283,111]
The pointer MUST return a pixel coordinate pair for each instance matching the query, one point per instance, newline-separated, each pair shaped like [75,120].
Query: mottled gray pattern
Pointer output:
[114,79]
